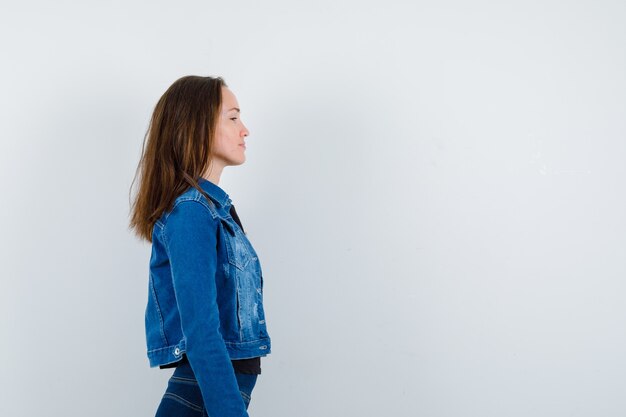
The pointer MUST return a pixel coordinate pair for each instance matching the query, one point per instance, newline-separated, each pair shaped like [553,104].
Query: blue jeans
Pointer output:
[184,399]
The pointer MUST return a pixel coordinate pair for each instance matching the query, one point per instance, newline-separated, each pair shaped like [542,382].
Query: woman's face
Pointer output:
[229,147]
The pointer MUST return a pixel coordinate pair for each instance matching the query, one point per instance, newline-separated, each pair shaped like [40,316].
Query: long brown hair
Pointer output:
[176,149]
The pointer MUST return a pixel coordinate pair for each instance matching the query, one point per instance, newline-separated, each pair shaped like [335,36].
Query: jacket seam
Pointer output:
[197,199]
[158,308]
[162,348]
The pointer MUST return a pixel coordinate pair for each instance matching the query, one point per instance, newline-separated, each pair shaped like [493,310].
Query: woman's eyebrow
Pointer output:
[235,108]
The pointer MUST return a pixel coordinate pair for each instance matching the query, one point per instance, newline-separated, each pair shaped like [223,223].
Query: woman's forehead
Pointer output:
[229,101]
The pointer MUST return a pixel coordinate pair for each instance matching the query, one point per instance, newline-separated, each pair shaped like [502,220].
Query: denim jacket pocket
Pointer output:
[238,252]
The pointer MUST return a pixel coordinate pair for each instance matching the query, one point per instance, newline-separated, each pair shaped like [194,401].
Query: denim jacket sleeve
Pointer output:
[191,241]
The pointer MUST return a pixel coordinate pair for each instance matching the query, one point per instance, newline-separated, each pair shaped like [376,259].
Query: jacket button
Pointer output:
[176,351]
[263,347]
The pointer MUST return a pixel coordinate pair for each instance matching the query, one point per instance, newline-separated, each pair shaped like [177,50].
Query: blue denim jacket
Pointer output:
[205,296]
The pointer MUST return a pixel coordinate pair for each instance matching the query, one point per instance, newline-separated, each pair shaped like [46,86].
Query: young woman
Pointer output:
[204,314]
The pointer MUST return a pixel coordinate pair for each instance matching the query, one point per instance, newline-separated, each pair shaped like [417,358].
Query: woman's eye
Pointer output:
[233,118]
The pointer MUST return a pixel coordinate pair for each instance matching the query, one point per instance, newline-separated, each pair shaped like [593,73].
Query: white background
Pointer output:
[435,191]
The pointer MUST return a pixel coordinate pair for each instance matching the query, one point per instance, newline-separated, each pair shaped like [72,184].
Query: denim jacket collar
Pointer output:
[216,193]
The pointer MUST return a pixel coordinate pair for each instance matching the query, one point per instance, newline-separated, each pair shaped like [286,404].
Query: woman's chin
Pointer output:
[237,162]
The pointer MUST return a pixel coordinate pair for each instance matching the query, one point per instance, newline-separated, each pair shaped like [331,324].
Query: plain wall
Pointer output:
[435,191]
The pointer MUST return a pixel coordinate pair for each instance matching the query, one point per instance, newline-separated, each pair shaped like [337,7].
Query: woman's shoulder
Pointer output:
[190,203]
[191,206]
[189,219]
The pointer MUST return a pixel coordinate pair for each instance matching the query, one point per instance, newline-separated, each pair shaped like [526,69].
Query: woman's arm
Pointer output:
[191,240]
